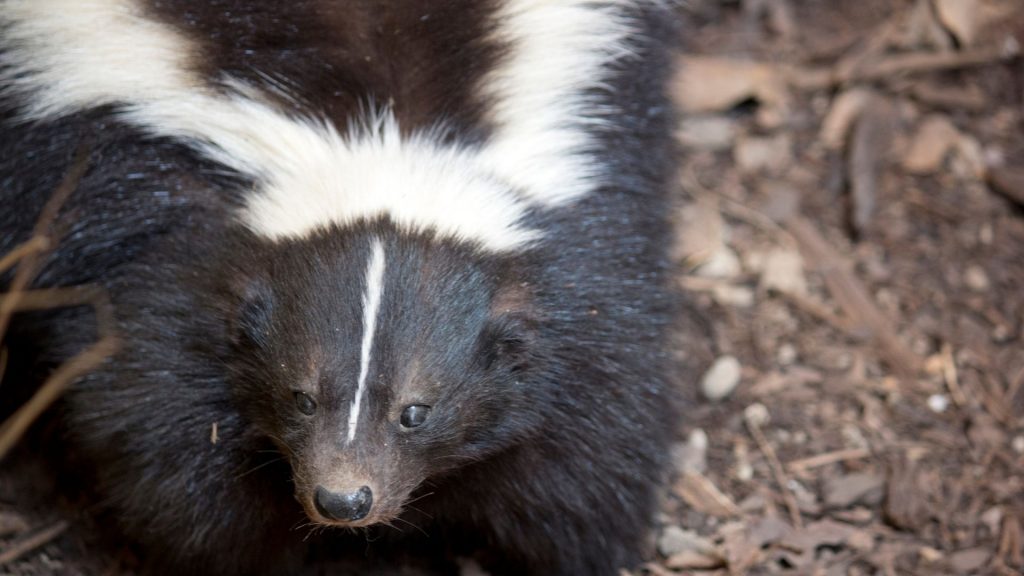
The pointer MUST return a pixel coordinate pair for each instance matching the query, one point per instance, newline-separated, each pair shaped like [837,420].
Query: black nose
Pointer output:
[344,507]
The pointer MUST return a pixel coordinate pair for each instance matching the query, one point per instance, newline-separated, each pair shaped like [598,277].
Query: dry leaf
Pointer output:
[841,116]
[960,17]
[934,139]
[690,560]
[1007,181]
[923,30]
[966,19]
[709,84]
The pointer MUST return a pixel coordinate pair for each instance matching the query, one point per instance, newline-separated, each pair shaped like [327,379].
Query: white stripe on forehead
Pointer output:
[63,56]
[372,295]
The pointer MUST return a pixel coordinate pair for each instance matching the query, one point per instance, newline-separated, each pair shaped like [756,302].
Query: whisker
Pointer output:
[420,497]
[400,519]
[421,511]
[257,467]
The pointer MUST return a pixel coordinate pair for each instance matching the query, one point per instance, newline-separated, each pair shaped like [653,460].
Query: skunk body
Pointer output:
[372,264]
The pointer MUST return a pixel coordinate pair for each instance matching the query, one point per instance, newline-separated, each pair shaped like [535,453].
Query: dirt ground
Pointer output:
[853,228]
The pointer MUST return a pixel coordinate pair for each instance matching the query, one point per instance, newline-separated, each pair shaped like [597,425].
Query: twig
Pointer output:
[820,311]
[804,464]
[22,546]
[31,246]
[852,297]
[1014,387]
[913,63]
[16,425]
[777,471]
[935,61]
[28,267]
[949,374]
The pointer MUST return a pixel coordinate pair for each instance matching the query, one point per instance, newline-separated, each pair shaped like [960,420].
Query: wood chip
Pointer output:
[869,151]
[906,503]
[850,489]
[690,560]
[1008,182]
[702,495]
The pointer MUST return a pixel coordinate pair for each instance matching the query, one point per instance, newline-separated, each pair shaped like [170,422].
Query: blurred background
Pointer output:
[853,227]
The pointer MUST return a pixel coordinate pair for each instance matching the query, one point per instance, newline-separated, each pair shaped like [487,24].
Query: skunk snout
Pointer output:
[343,507]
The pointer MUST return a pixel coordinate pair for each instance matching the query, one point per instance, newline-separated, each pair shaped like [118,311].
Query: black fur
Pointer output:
[547,371]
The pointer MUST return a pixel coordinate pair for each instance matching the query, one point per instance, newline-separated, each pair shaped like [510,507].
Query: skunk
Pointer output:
[378,266]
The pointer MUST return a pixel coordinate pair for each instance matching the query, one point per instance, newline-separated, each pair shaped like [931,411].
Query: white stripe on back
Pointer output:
[64,56]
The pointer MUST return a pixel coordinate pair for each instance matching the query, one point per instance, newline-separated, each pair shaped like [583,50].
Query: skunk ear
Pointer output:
[508,343]
[511,333]
[250,321]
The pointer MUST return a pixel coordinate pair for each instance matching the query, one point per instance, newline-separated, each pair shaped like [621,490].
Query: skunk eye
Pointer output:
[305,403]
[414,415]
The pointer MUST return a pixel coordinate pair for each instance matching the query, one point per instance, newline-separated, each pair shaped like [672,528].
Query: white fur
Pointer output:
[559,51]
[371,309]
[71,55]
[67,55]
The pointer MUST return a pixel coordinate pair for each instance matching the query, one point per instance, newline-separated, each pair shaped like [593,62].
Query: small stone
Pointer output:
[992,519]
[721,379]
[784,272]
[756,414]
[929,554]
[976,279]
[786,354]
[729,295]
[691,456]
[969,560]
[1018,444]
[744,471]
[723,263]
[938,403]
[707,133]
[675,540]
